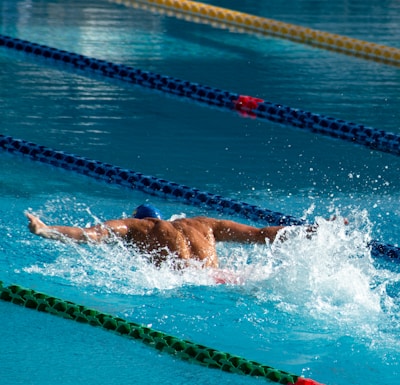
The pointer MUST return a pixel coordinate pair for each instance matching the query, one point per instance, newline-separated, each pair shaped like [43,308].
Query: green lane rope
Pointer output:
[183,349]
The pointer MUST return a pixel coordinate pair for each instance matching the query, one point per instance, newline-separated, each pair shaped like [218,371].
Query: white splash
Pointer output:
[329,275]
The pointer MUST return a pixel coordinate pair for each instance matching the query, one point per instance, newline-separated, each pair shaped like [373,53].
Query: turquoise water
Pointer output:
[322,308]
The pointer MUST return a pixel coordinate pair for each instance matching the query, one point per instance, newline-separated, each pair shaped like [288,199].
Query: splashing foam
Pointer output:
[117,269]
[329,275]
[333,268]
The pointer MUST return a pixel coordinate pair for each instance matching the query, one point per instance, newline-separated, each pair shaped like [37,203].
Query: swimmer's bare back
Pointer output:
[186,238]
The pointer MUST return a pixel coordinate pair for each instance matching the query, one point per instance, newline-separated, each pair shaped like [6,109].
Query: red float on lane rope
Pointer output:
[246,104]
[305,381]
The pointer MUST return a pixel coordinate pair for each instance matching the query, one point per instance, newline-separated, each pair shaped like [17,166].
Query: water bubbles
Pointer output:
[327,275]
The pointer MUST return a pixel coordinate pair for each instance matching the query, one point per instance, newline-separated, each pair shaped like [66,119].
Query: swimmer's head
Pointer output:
[146,211]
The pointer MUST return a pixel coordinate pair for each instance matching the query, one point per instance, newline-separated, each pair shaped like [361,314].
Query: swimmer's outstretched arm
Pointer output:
[229,231]
[225,231]
[96,233]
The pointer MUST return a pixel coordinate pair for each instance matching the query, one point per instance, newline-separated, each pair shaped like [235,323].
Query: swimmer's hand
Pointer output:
[333,218]
[35,225]
[313,228]
[66,233]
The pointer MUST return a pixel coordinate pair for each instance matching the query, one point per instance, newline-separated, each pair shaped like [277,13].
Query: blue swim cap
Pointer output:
[146,211]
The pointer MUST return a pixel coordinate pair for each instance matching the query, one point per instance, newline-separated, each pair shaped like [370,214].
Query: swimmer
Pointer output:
[186,238]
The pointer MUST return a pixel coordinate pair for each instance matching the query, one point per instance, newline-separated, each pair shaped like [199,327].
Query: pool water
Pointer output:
[323,308]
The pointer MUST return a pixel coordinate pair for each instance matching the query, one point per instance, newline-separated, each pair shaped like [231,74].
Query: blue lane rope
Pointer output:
[163,188]
[356,133]
[137,181]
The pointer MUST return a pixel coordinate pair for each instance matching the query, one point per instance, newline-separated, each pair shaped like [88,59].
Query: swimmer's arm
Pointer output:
[229,231]
[96,233]
[225,231]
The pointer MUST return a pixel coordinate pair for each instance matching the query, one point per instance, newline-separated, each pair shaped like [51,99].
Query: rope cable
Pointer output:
[370,137]
[183,349]
[246,105]
[163,188]
[226,18]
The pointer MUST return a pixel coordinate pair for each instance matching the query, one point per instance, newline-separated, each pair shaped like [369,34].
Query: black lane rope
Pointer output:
[246,105]
[163,188]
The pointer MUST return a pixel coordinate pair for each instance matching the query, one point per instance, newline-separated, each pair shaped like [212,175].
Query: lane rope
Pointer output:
[145,183]
[245,105]
[183,349]
[226,18]
[163,188]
